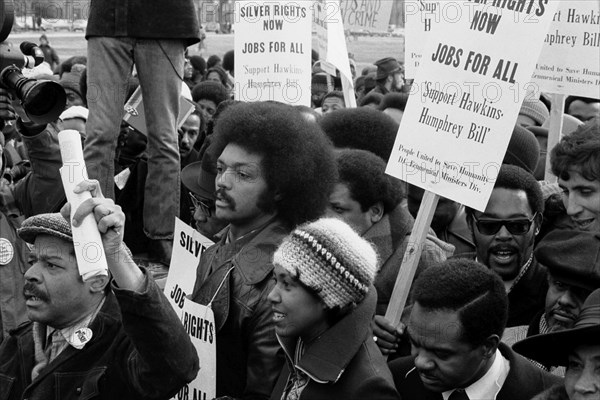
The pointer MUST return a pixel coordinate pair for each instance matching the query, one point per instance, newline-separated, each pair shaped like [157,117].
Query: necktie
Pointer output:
[458,394]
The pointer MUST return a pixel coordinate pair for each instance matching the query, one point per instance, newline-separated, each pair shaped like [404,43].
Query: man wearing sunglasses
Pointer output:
[504,238]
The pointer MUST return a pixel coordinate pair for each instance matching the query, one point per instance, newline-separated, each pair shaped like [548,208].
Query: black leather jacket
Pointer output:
[249,357]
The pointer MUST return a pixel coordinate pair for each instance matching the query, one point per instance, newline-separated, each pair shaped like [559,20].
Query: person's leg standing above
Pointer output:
[110,62]
[159,65]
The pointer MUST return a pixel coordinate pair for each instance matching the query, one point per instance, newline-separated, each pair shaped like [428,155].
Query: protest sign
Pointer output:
[366,15]
[466,98]
[188,246]
[422,17]
[199,323]
[198,320]
[570,61]
[273,43]
[332,45]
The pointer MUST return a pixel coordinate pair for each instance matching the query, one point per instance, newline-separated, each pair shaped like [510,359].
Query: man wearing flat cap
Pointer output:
[390,76]
[573,262]
[577,349]
[89,338]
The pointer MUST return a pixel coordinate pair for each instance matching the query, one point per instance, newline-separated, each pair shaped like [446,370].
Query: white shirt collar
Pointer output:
[489,385]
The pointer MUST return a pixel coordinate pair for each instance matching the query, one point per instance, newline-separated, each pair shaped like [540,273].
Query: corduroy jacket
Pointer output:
[139,350]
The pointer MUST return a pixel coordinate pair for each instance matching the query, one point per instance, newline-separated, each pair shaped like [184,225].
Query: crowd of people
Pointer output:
[309,236]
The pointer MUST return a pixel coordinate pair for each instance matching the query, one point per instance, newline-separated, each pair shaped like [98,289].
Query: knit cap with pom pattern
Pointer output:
[329,257]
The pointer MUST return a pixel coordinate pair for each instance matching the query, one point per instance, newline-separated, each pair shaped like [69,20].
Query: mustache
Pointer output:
[221,193]
[31,289]
[564,311]
[503,247]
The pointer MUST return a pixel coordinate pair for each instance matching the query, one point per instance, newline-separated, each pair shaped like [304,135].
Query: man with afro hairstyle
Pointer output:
[368,200]
[361,128]
[275,170]
[208,95]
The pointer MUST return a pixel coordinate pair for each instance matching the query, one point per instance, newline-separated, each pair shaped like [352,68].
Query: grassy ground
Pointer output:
[365,49]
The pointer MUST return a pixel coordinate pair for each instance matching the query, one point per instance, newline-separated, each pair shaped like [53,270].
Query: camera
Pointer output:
[42,100]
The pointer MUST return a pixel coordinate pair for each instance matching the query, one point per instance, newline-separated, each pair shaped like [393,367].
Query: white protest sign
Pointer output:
[570,59]
[422,17]
[198,320]
[188,246]
[332,44]
[466,98]
[273,51]
[367,15]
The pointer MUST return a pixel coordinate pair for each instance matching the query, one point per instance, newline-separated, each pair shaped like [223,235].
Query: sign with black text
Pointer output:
[466,97]
[198,320]
[366,15]
[273,51]
[570,60]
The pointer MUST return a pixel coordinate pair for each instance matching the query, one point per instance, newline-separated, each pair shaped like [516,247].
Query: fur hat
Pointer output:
[361,128]
[523,149]
[572,257]
[330,258]
[45,224]
[536,110]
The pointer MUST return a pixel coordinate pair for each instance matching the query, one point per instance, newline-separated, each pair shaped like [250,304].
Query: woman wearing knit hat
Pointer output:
[323,303]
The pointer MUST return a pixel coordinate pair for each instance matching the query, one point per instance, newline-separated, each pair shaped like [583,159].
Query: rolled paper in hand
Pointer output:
[89,250]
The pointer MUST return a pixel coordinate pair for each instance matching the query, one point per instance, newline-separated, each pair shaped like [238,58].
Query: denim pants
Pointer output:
[159,65]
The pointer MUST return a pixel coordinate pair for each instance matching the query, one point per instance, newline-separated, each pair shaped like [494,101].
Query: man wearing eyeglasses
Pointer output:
[504,238]
[199,179]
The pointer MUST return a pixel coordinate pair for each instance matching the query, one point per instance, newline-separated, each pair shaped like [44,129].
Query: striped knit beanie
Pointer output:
[331,258]
[536,110]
